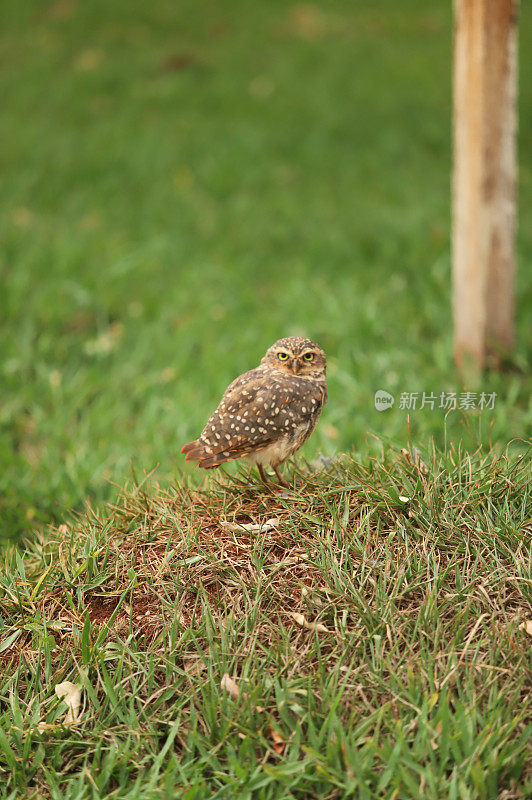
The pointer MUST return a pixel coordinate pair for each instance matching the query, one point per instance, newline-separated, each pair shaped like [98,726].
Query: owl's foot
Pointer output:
[262,474]
[280,478]
[265,480]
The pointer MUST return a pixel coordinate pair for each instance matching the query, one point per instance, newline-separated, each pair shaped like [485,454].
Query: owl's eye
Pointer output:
[308,356]
[282,356]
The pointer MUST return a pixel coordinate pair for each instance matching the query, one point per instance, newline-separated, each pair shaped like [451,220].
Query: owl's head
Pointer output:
[296,356]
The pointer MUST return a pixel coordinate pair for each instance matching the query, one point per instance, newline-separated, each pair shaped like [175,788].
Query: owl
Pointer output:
[267,413]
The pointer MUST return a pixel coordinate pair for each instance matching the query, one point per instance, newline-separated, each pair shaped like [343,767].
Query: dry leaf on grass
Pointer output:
[437,733]
[277,739]
[414,458]
[304,623]
[250,527]
[526,626]
[71,695]
[230,686]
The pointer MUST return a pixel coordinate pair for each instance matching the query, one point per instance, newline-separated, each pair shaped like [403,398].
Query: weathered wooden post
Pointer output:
[484,181]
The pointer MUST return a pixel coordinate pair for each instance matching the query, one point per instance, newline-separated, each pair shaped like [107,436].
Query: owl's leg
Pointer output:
[262,474]
[280,478]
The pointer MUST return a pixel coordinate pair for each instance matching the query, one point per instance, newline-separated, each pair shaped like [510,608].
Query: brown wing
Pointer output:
[255,411]
[236,428]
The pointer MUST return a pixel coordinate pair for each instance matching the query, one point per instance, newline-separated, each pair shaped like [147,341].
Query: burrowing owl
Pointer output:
[267,413]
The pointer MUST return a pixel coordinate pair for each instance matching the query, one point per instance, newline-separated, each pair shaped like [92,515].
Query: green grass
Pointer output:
[182,186]
[416,684]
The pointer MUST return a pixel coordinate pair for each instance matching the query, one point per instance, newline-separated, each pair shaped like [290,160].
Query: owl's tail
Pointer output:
[195,451]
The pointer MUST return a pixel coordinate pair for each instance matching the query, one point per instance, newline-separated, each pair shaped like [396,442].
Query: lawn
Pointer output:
[181,185]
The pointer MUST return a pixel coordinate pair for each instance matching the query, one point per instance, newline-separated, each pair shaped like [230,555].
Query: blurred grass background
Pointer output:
[182,184]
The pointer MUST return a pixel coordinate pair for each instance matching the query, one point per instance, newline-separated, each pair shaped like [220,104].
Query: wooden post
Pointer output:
[484,181]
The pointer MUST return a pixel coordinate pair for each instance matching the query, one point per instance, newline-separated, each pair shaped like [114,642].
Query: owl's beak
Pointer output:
[295,366]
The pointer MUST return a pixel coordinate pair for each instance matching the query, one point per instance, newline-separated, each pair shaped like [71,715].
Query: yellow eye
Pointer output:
[308,356]
[282,356]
